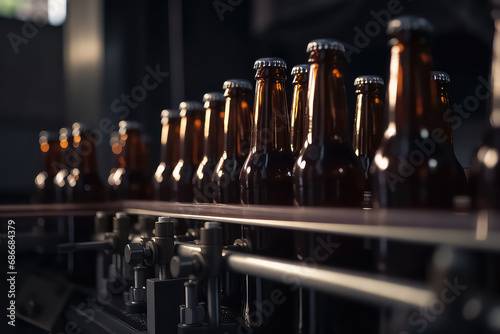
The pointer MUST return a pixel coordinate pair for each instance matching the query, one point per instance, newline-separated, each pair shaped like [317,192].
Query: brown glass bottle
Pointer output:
[300,121]
[368,124]
[213,146]
[440,83]
[412,167]
[237,127]
[83,180]
[169,154]
[66,163]
[485,165]
[45,189]
[190,153]
[130,180]
[266,178]
[327,172]
[266,175]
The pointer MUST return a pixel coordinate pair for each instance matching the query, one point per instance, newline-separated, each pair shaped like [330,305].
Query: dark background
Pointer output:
[214,47]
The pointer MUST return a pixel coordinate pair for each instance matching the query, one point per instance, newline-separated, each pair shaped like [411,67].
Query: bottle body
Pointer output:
[237,125]
[327,172]
[203,187]
[130,180]
[412,169]
[45,189]
[169,154]
[191,151]
[84,182]
[368,125]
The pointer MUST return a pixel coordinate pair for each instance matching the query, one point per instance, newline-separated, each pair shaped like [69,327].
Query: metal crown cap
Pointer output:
[129,125]
[368,79]
[232,83]
[170,113]
[325,44]
[190,105]
[409,23]
[302,68]
[439,75]
[269,62]
[213,96]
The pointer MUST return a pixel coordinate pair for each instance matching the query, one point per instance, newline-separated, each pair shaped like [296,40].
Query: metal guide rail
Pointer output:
[474,230]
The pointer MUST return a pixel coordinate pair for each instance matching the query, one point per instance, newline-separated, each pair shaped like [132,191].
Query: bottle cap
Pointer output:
[269,62]
[213,96]
[408,23]
[237,83]
[190,105]
[325,44]
[170,113]
[368,79]
[129,125]
[441,76]
[302,68]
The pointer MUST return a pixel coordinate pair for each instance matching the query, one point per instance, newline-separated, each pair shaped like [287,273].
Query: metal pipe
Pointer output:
[213,301]
[350,284]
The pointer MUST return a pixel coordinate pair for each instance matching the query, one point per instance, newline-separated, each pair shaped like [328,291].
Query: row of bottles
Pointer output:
[239,148]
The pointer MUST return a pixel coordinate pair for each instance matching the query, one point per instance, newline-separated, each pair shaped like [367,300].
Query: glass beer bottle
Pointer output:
[412,166]
[440,83]
[213,146]
[169,153]
[237,128]
[190,153]
[130,180]
[45,189]
[327,172]
[485,167]
[300,121]
[368,124]
[83,180]
[266,178]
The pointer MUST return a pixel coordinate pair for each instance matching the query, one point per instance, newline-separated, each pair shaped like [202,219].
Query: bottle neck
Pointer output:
[409,97]
[170,141]
[298,112]
[271,127]
[211,147]
[191,137]
[440,93]
[368,122]
[328,115]
[237,123]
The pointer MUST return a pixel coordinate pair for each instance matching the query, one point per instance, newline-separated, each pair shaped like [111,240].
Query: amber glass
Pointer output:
[412,166]
[169,153]
[190,153]
[237,127]
[266,176]
[485,167]
[67,162]
[45,189]
[213,146]
[83,180]
[266,179]
[368,124]
[440,84]
[130,180]
[299,118]
[327,172]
